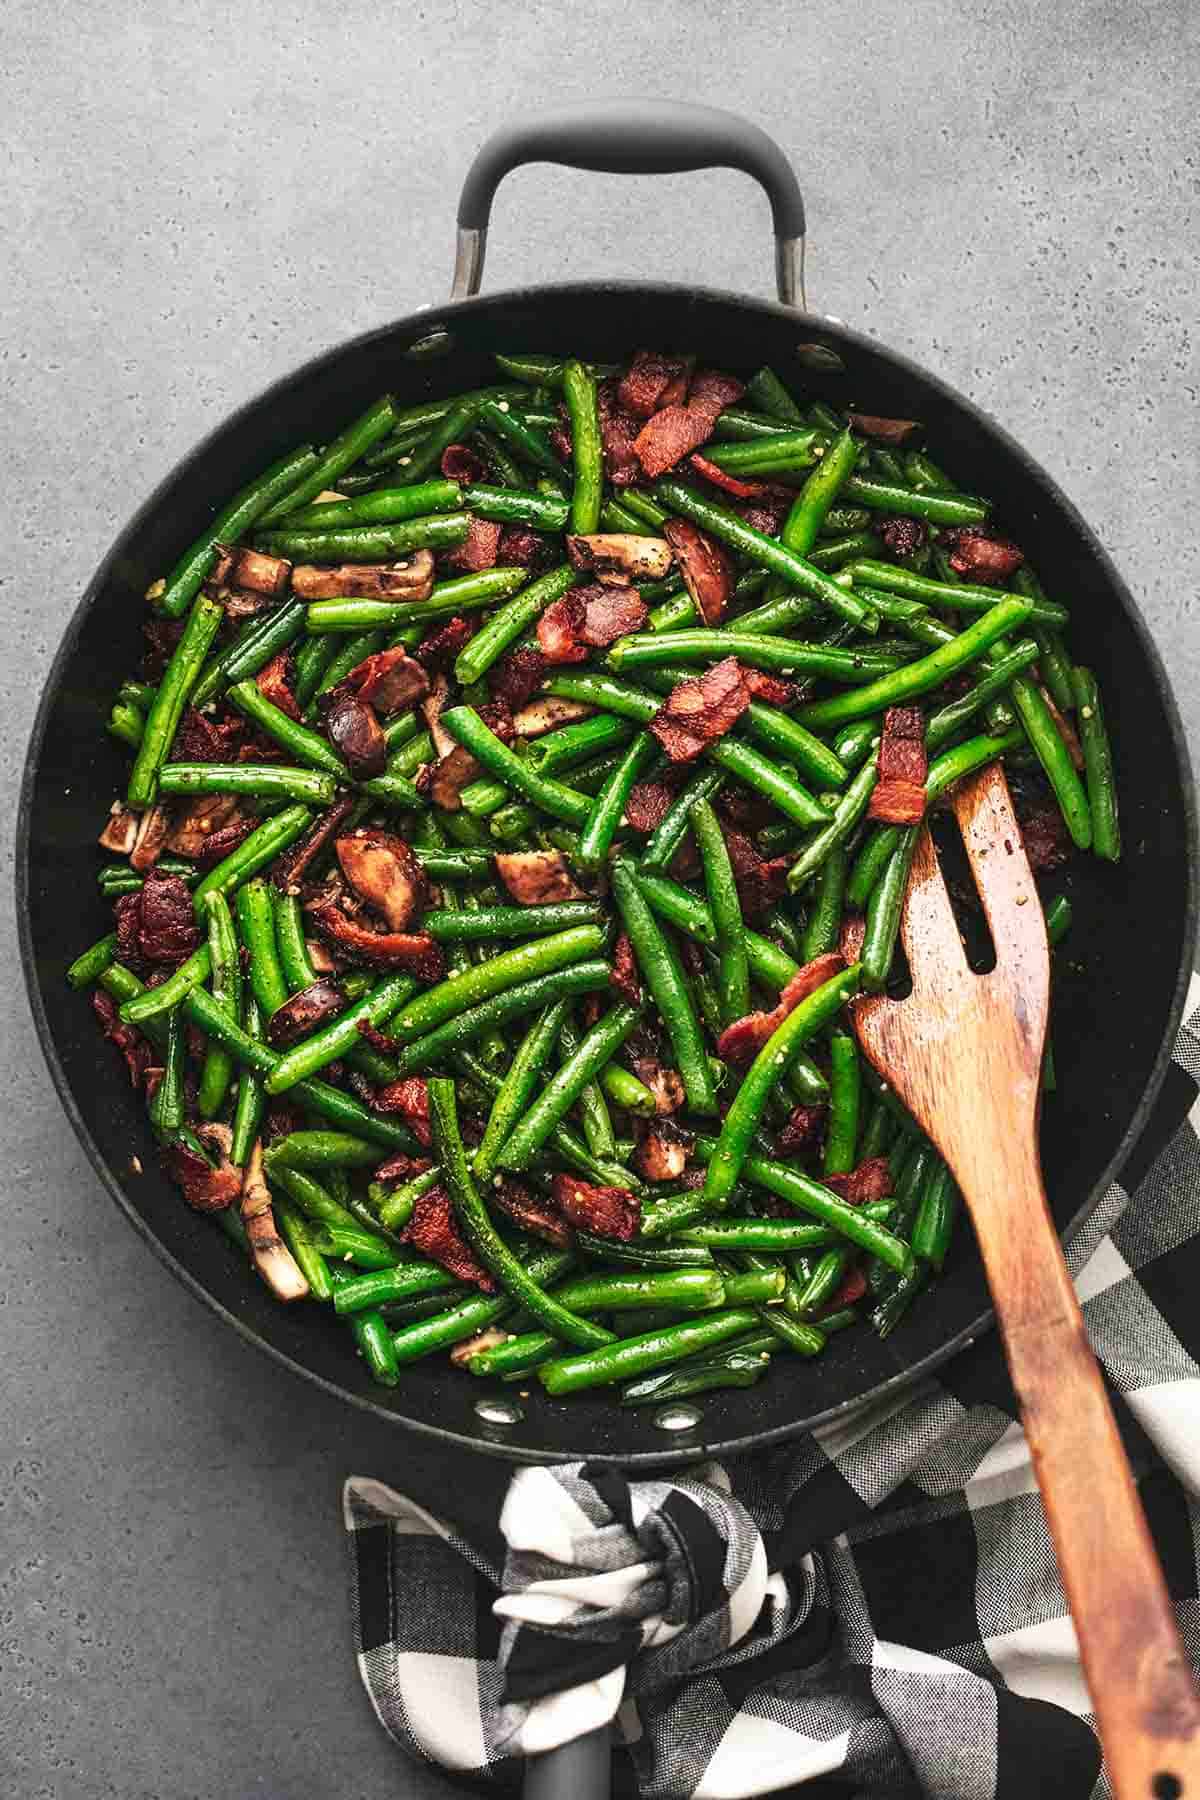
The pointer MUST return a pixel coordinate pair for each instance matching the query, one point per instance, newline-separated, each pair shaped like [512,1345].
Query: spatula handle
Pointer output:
[1141,1687]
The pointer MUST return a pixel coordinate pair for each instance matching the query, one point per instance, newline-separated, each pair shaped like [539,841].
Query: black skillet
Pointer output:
[1117,1002]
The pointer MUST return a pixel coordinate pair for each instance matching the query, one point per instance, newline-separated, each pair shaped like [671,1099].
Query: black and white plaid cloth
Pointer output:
[873,1609]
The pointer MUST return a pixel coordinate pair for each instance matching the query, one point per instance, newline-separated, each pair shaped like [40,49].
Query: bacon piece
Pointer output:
[518,675]
[288,869]
[850,1290]
[802,1130]
[884,431]
[383,871]
[433,1231]
[721,478]
[537,877]
[415,951]
[620,556]
[624,979]
[978,555]
[711,392]
[560,630]
[648,804]
[389,680]
[478,549]
[706,567]
[618,435]
[662,1151]
[899,794]
[767,513]
[664,1083]
[353,729]
[588,618]
[409,1098]
[675,431]
[137,1051]
[207,1188]
[759,883]
[220,844]
[274,683]
[902,536]
[241,567]
[312,1006]
[741,1042]
[546,713]
[440,648]
[872,1180]
[528,1214]
[771,688]
[162,636]
[696,713]
[653,381]
[461,463]
[1043,829]
[520,547]
[743,811]
[411,579]
[607,1211]
[401,1168]
[202,738]
[158,923]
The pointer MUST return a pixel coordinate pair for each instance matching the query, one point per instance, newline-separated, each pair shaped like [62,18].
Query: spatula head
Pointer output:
[960,1040]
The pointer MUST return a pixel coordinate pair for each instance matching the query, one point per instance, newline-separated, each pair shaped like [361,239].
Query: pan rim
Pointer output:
[427,320]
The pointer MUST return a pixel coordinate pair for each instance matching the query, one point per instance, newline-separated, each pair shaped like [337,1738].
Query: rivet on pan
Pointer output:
[820,356]
[678,1417]
[499,1412]
[436,343]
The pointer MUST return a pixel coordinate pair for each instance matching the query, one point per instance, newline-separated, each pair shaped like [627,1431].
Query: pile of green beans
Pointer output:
[471,1079]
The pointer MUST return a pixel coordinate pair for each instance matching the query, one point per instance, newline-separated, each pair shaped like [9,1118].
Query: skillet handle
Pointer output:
[633,137]
[580,1770]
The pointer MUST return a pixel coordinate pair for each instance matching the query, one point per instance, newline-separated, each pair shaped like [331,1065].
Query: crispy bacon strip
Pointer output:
[624,979]
[411,579]
[202,738]
[138,1054]
[274,682]
[432,1230]
[409,1098]
[618,434]
[415,951]
[537,877]
[721,478]
[389,681]
[461,463]
[872,1180]
[587,619]
[899,794]
[401,1168]
[901,535]
[884,431]
[607,1211]
[697,713]
[439,649]
[802,1130]
[517,676]
[706,567]
[740,1042]
[288,869]
[158,923]
[977,554]
[653,381]
[520,547]
[675,431]
[528,1214]
[478,549]
[648,804]
[206,1188]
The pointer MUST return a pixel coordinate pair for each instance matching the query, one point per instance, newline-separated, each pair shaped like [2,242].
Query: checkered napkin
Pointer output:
[873,1609]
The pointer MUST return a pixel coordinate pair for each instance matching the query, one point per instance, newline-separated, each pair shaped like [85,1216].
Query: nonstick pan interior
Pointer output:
[1118,990]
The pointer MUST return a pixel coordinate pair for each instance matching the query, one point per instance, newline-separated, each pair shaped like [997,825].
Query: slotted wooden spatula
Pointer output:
[964,1053]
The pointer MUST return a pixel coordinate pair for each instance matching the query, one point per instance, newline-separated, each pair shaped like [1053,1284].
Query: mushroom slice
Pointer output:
[271,1256]
[383,871]
[623,555]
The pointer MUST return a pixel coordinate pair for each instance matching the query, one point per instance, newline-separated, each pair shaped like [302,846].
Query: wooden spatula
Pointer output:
[964,1053]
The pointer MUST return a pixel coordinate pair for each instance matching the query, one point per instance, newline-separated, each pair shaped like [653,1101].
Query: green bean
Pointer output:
[572,744]
[474,1315]
[521,964]
[742,422]
[1055,759]
[841,519]
[338,456]
[804,1340]
[591,776]
[382,506]
[859,1225]
[767,778]
[784,656]
[726,910]
[1058,918]
[777,616]
[589,1101]
[690,1290]
[263,845]
[812,504]
[503,468]
[768,552]
[415,421]
[944,724]
[659,963]
[870,863]
[546,371]
[1097,754]
[896,1302]
[732,1367]
[835,553]
[318,1204]
[769,394]
[927,672]
[608,808]
[267,781]
[957,596]
[372,1337]
[508,921]
[667,836]
[350,652]
[316,1052]
[217,1070]
[514,429]
[380,1287]
[250,1103]
[88,968]
[467,593]
[626,1091]
[766,1071]
[505,626]
[324,1150]
[679,906]
[256,927]
[512,825]
[779,454]
[938,509]
[167,1109]
[149,1003]
[231,523]
[517,506]
[298,1238]
[517,1088]
[309,666]
[824,920]
[466,727]
[845,1095]
[264,638]
[934,1224]
[178,680]
[776,1237]
[634,1356]
[579,394]
[307,746]
[563,1090]
[855,742]
[833,834]
[290,942]
[824,1282]
[482,1235]
[884,908]
[367,543]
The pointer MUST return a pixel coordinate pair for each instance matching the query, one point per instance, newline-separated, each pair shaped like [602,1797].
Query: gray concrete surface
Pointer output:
[197,196]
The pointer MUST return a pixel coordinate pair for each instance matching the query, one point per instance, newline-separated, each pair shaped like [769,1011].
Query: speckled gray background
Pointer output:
[194,198]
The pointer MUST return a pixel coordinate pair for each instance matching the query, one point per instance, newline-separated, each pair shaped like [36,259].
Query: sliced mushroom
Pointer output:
[151,837]
[411,579]
[120,830]
[537,877]
[450,776]
[662,1151]
[884,431]
[389,680]
[462,1353]
[319,957]
[242,567]
[433,706]
[625,555]
[546,713]
[314,1005]
[706,567]
[382,869]
[271,1256]
[354,730]
[198,820]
